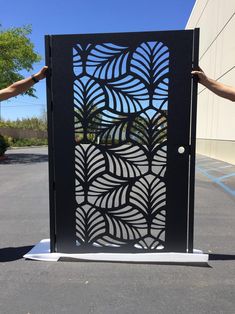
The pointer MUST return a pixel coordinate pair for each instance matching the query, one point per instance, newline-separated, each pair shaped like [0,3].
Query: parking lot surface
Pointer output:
[112,288]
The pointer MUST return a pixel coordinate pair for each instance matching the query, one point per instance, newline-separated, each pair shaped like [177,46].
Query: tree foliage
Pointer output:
[16,54]
[3,145]
[36,124]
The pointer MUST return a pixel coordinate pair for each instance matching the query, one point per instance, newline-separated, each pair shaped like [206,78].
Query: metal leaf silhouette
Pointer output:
[107,61]
[109,241]
[161,91]
[151,62]
[121,100]
[155,242]
[111,128]
[89,163]
[127,95]
[127,161]
[160,155]
[149,129]
[90,224]
[89,97]
[148,194]
[108,192]
[79,58]
[126,223]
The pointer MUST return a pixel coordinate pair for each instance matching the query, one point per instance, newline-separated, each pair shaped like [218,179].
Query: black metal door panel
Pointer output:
[119,108]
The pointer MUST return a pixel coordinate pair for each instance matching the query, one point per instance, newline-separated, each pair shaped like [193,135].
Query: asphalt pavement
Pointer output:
[112,288]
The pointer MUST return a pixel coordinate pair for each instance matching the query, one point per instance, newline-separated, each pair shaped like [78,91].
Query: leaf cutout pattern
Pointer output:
[127,95]
[160,154]
[120,126]
[107,61]
[79,59]
[155,242]
[88,99]
[126,223]
[161,91]
[149,195]
[151,62]
[108,192]
[89,164]
[127,162]
[150,130]
[112,128]
[90,224]
[109,241]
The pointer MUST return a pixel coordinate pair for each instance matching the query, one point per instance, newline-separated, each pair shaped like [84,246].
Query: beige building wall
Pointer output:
[216,116]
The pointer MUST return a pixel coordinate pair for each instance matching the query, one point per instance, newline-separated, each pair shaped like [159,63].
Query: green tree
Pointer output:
[16,54]
[34,123]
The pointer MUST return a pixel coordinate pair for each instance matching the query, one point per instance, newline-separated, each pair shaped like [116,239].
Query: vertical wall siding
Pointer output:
[216,116]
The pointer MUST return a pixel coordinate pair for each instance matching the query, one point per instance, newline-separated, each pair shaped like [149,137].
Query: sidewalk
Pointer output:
[112,288]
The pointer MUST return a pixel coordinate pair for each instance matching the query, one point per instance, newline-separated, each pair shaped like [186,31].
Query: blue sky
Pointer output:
[84,16]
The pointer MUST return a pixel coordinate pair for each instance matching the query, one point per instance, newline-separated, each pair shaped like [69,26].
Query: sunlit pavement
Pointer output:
[218,172]
[109,288]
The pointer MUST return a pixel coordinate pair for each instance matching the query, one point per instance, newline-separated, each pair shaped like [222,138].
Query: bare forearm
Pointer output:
[22,85]
[220,89]
[16,88]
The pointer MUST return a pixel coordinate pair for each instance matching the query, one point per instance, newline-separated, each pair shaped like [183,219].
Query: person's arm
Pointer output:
[218,88]
[22,86]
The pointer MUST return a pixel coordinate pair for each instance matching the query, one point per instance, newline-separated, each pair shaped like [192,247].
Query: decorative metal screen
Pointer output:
[116,105]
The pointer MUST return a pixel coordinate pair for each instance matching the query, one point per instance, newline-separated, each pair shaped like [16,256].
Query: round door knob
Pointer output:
[181,150]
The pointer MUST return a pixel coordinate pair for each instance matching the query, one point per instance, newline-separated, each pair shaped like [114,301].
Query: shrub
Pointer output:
[28,142]
[3,145]
[27,123]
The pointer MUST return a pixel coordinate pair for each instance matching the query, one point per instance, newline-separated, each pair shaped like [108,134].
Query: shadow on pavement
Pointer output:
[24,159]
[153,264]
[221,257]
[11,254]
